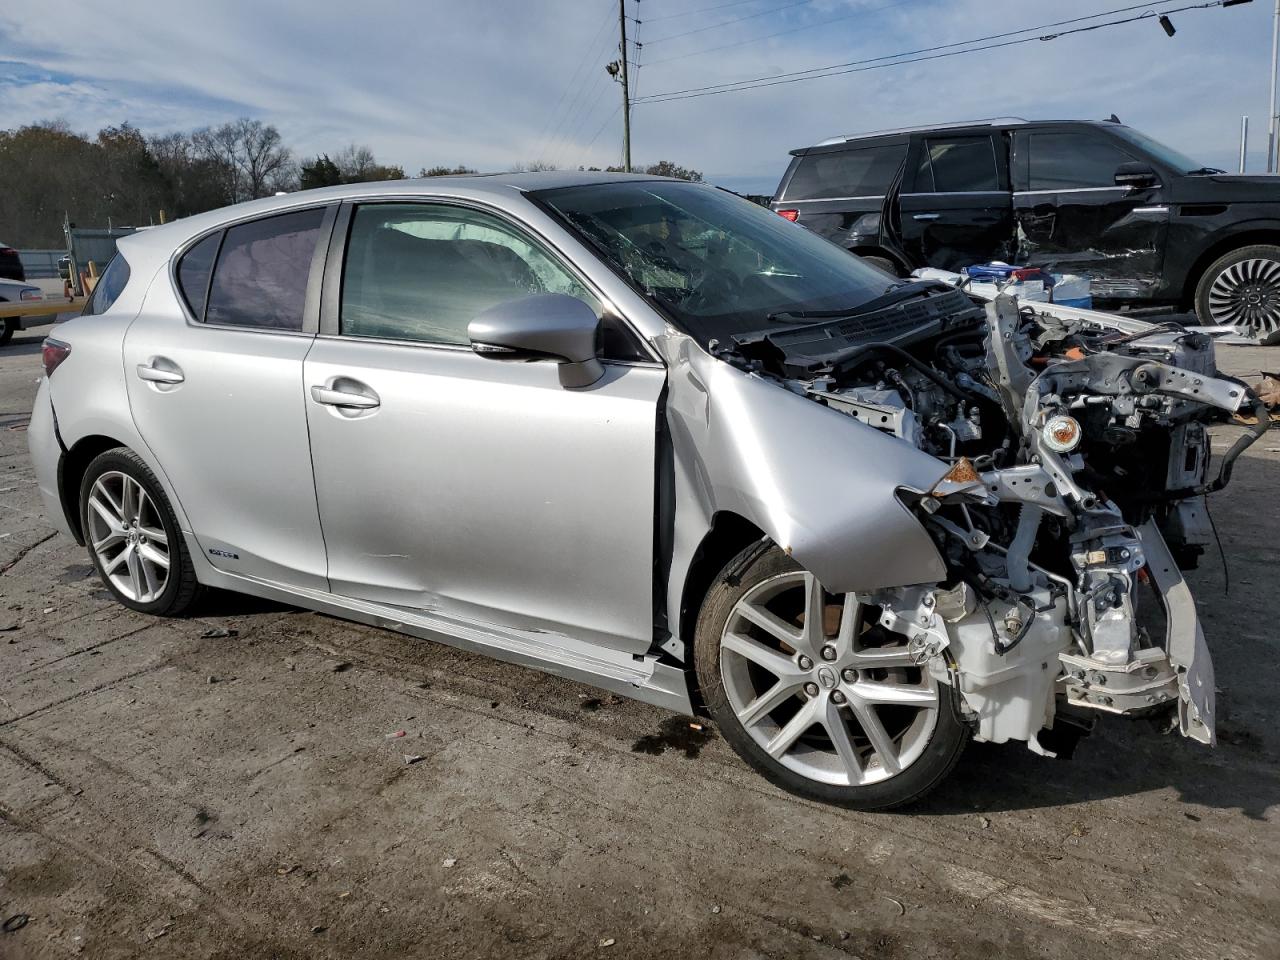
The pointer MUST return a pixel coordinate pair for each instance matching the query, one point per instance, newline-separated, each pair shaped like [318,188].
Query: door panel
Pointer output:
[1073,219]
[486,489]
[214,374]
[232,438]
[959,210]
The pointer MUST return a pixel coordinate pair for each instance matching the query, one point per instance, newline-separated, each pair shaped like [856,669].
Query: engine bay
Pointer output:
[1079,467]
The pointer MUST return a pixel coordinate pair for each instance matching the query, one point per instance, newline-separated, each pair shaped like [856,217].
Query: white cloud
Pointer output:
[480,83]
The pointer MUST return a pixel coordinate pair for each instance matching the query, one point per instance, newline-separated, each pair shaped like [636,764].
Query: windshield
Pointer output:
[1163,154]
[718,264]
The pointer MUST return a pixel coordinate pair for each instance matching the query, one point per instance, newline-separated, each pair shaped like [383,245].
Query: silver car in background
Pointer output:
[650,436]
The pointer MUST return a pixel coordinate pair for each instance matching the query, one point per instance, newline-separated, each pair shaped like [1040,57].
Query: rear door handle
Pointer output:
[169,373]
[342,398]
[925,216]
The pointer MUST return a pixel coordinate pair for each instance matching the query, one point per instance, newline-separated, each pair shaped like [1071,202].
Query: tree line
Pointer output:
[123,177]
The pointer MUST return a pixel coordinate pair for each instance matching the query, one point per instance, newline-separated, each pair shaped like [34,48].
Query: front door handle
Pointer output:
[925,216]
[342,398]
[169,373]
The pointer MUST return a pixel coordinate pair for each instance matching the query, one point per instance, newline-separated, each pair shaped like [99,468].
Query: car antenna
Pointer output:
[1113,119]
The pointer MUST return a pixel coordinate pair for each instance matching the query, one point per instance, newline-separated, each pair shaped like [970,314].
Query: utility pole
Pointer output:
[626,90]
[1244,141]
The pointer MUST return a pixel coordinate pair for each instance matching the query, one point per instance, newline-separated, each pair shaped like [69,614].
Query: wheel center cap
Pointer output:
[827,677]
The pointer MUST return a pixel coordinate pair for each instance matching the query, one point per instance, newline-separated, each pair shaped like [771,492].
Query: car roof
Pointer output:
[498,188]
[989,123]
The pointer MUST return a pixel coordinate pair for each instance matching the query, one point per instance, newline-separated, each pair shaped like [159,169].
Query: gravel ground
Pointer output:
[231,785]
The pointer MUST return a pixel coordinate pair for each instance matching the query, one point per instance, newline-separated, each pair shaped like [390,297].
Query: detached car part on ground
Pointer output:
[858,521]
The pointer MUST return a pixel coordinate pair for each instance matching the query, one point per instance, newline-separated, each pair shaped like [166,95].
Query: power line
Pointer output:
[769,36]
[725,23]
[912,56]
[549,131]
[689,13]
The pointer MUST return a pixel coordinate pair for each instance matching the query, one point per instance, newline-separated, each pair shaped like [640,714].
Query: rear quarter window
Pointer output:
[857,172]
[194,270]
[108,288]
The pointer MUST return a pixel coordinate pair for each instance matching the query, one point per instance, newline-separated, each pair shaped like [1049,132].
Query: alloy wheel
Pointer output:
[127,537]
[821,687]
[1247,294]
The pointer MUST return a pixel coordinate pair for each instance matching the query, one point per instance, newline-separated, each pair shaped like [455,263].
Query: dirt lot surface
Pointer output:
[230,785]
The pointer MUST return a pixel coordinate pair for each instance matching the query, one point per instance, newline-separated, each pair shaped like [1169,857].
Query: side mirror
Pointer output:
[548,326]
[1136,176]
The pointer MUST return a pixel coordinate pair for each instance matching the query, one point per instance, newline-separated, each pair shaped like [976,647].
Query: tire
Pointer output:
[729,650]
[7,329]
[1242,288]
[885,264]
[117,525]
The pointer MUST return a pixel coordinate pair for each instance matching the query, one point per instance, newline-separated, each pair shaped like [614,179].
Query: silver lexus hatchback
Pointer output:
[648,435]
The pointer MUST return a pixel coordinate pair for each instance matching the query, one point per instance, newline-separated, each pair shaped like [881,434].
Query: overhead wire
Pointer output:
[975,45]
[861,11]
[549,136]
[725,23]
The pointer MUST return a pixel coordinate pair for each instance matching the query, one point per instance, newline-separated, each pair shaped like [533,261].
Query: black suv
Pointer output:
[1146,224]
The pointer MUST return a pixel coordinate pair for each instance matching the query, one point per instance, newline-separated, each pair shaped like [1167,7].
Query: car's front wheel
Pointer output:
[133,537]
[809,689]
[1242,289]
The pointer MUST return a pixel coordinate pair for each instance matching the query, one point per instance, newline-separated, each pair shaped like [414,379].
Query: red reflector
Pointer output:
[53,353]
[792,215]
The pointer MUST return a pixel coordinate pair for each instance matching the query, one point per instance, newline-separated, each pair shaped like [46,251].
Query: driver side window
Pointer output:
[423,271]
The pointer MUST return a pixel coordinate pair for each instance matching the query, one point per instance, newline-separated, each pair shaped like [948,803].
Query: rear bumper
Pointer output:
[46,455]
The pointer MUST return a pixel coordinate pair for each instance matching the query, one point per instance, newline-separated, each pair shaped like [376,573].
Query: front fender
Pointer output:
[820,484]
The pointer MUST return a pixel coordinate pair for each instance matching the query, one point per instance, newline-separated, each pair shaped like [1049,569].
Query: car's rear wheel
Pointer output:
[809,689]
[133,537]
[1242,289]
[7,329]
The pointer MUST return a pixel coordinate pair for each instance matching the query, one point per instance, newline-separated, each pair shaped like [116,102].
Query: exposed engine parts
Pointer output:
[1079,464]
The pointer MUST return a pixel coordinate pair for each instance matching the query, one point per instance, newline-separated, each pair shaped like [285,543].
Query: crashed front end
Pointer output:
[1076,461]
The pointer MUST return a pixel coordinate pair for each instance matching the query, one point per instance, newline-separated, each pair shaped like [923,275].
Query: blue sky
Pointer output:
[492,84]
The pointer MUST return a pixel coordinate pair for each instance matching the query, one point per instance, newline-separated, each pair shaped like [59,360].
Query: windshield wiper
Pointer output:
[1204,171]
[897,293]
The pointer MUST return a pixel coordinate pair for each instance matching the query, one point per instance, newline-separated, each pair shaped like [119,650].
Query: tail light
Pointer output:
[31,293]
[53,353]
[792,215]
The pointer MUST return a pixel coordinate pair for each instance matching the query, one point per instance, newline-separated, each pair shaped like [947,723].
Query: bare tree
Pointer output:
[252,155]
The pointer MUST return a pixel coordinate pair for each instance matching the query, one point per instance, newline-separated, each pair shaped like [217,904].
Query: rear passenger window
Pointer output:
[194,270]
[860,172]
[957,165]
[423,271]
[260,279]
[1065,161]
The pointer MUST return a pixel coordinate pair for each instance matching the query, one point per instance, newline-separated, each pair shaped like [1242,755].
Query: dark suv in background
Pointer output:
[1146,224]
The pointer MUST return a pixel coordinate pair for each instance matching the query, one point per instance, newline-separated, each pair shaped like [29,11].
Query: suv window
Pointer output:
[419,271]
[108,288]
[957,165]
[1065,161]
[859,172]
[194,270]
[260,279]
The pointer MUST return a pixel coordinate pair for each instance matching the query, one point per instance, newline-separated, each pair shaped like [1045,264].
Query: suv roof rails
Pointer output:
[984,122]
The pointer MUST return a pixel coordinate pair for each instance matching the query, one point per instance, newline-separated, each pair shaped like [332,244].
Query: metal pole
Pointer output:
[1244,140]
[626,91]
[1271,114]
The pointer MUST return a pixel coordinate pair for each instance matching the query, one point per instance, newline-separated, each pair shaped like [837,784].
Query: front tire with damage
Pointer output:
[811,691]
